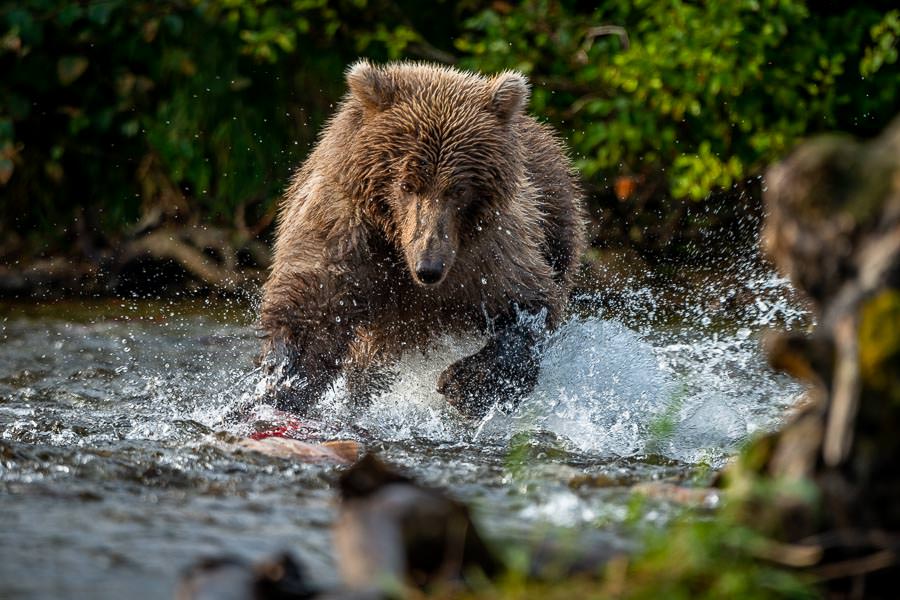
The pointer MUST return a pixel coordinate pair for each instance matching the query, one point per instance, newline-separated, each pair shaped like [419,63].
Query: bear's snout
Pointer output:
[431,247]
[430,271]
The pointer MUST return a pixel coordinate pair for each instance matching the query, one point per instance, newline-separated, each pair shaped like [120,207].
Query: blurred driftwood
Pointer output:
[833,226]
[156,259]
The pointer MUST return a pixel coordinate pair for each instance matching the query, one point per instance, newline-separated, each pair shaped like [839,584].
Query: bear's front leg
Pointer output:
[504,371]
[309,322]
[300,367]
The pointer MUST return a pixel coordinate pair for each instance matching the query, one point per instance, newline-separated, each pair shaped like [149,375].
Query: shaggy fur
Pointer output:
[432,204]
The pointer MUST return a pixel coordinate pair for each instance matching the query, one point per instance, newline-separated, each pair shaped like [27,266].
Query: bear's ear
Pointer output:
[370,85]
[509,94]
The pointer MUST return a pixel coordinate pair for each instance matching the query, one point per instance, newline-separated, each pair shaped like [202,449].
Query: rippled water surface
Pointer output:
[117,470]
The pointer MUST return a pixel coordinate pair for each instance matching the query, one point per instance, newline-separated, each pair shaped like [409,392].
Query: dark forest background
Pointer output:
[117,117]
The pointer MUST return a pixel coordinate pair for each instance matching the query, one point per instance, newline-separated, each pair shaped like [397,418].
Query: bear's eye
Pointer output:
[457,191]
[406,187]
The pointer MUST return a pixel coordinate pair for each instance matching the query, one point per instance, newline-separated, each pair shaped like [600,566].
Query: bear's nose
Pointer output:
[429,270]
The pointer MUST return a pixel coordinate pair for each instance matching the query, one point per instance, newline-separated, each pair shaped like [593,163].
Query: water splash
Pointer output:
[689,384]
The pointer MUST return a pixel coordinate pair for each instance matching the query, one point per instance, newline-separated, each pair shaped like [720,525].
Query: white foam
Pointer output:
[690,391]
[604,389]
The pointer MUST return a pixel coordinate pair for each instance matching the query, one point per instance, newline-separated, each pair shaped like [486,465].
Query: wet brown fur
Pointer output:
[419,162]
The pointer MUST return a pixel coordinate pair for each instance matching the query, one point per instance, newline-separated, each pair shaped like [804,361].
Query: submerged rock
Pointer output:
[225,578]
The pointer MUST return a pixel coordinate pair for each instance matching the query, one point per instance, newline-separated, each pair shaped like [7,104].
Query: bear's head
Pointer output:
[435,157]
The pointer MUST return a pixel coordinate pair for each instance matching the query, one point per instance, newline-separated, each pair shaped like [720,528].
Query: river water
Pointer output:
[117,469]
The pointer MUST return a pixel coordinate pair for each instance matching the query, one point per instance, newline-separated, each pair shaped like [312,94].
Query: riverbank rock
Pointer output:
[279,578]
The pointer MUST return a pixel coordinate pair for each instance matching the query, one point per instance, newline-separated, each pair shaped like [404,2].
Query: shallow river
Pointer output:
[117,470]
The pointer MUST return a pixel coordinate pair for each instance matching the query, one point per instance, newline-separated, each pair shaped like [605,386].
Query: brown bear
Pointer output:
[432,204]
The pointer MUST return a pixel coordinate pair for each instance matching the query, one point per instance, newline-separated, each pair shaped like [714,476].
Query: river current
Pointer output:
[117,469]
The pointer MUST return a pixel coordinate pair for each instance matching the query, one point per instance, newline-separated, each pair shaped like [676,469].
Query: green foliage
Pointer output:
[734,553]
[103,94]
[196,109]
[689,559]
[710,559]
[700,94]
[200,108]
[883,50]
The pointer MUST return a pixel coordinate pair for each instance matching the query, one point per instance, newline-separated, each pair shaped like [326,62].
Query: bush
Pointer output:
[701,95]
[198,109]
